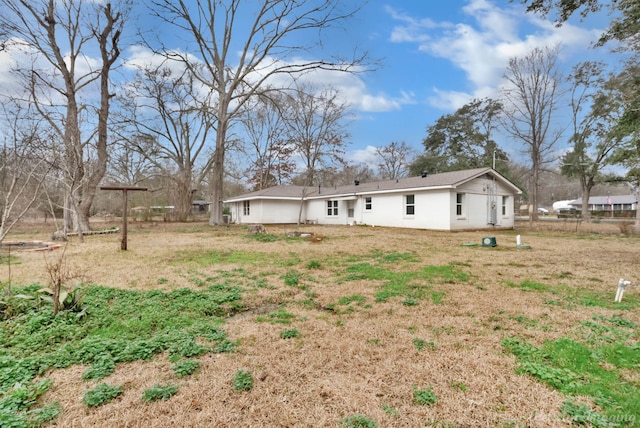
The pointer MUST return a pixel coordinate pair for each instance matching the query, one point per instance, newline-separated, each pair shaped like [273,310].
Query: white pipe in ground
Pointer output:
[622,285]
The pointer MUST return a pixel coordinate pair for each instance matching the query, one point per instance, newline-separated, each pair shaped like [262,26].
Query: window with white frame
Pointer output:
[410,204]
[367,203]
[459,204]
[246,207]
[505,200]
[332,208]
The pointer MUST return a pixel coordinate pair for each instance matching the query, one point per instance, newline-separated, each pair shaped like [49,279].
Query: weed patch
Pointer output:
[242,381]
[215,257]
[354,298]
[159,392]
[101,394]
[281,316]
[421,344]
[17,405]
[185,368]
[291,333]
[358,421]
[424,397]
[119,326]
[592,369]
[411,285]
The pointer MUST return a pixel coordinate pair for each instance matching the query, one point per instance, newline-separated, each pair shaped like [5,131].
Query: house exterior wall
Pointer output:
[477,205]
[266,211]
[317,211]
[434,209]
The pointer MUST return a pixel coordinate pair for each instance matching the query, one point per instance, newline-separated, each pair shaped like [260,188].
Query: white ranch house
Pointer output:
[470,199]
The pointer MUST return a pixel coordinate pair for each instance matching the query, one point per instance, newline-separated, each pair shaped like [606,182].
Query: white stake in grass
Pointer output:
[622,285]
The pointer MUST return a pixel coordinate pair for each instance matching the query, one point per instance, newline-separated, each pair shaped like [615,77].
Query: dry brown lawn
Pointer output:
[358,362]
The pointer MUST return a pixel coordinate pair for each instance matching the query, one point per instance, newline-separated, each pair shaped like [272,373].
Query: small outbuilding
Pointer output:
[478,198]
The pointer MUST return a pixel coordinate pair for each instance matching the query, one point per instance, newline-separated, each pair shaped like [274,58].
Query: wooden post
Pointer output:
[123,189]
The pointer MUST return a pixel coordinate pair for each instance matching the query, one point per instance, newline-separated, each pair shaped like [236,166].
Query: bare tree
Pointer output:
[592,138]
[346,174]
[530,100]
[316,128]
[22,169]
[129,162]
[394,159]
[61,82]
[238,61]
[266,147]
[171,125]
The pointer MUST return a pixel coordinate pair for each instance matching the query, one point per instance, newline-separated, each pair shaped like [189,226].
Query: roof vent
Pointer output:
[423,173]
[356,182]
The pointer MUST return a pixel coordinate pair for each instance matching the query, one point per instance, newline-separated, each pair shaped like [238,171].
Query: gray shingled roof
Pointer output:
[445,179]
[603,200]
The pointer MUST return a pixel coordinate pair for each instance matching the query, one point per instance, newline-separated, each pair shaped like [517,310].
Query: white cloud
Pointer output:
[482,49]
[448,100]
[350,86]
[367,155]
[412,29]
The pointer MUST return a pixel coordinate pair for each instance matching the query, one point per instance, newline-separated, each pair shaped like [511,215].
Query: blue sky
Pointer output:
[434,56]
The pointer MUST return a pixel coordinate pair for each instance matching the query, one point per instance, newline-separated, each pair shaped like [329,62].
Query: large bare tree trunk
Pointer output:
[64,35]
[238,64]
[217,175]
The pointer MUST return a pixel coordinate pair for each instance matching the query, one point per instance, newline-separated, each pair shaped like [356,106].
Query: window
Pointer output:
[332,208]
[246,207]
[459,203]
[504,205]
[410,204]
[367,203]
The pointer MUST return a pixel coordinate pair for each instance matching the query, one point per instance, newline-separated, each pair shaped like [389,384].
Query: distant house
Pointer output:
[199,206]
[470,199]
[608,203]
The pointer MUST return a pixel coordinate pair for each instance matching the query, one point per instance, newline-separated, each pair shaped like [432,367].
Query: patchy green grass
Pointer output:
[242,380]
[571,297]
[217,257]
[425,397]
[159,392]
[101,394]
[358,421]
[291,333]
[398,277]
[590,365]
[354,298]
[599,360]
[118,326]
[281,316]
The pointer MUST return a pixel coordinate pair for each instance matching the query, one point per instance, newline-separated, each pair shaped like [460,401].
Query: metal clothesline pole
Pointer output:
[124,189]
